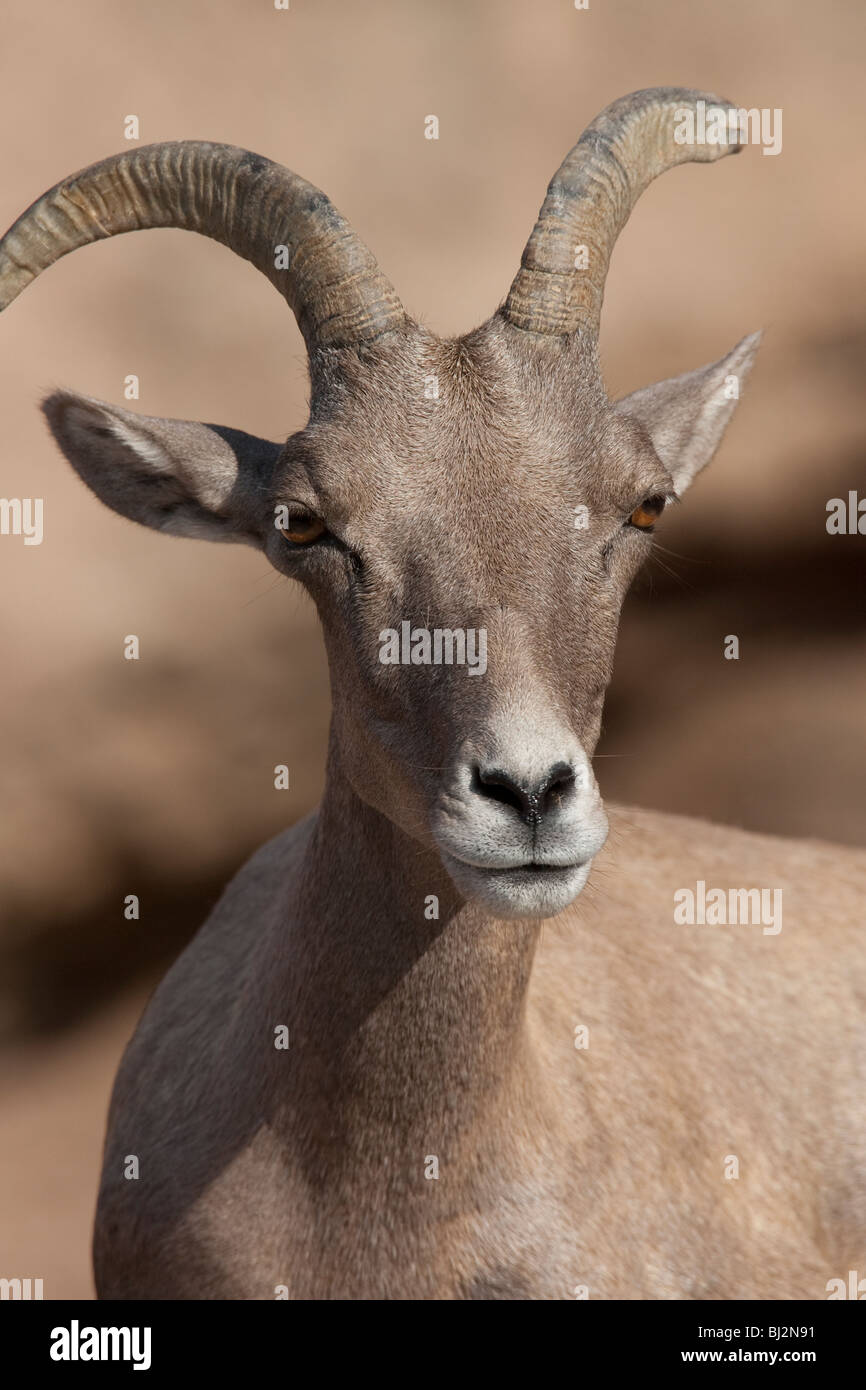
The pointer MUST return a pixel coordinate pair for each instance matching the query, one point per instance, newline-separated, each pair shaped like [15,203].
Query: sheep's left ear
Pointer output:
[176,476]
[686,416]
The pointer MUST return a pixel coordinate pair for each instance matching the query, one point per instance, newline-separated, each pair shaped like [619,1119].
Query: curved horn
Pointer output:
[591,196]
[251,205]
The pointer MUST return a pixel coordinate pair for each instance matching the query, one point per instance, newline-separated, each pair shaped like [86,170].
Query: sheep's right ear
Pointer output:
[687,415]
[173,475]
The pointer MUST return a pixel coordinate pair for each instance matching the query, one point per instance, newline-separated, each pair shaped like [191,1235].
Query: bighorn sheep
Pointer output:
[432,1129]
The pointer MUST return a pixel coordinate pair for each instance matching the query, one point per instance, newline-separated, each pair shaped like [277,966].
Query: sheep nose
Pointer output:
[531,800]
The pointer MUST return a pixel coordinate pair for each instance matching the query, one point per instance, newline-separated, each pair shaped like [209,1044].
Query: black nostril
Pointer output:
[531,801]
[492,782]
[552,793]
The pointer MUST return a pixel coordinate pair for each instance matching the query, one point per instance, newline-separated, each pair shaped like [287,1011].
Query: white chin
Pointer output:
[515,893]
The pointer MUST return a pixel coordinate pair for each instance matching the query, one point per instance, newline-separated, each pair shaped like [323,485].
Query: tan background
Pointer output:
[155,777]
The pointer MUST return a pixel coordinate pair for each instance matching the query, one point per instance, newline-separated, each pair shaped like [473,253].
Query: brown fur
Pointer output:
[419,1035]
[558,1168]
[409,1038]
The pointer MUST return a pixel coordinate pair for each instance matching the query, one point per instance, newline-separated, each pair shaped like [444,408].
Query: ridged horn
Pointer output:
[591,196]
[253,206]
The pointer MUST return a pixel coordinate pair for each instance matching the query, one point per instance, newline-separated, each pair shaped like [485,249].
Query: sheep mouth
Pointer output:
[532,867]
[526,889]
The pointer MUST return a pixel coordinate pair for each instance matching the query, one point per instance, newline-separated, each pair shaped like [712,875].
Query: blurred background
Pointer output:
[155,777]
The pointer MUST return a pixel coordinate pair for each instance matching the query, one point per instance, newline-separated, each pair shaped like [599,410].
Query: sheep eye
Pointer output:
[647,514]
[303,528]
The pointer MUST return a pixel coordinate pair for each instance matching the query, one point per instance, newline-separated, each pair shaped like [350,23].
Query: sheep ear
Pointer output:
[176,476]
[686,416]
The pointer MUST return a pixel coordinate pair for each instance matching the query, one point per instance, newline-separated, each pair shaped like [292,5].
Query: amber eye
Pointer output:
[647,514]
[303,528]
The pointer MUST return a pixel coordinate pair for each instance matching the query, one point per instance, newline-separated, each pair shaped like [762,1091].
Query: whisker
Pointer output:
[673,574]
[280,579]
[690,559]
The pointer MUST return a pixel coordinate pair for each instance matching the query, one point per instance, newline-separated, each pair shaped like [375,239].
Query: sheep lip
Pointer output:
[527,866]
